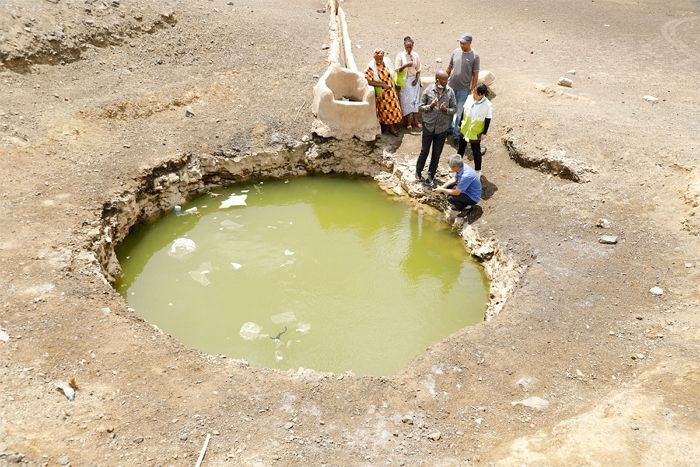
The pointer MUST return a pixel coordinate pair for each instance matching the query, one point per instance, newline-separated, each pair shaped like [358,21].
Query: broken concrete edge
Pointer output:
[158,189]
[551,161]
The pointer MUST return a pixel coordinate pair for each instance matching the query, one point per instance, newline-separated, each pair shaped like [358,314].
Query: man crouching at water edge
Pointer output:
[464,191]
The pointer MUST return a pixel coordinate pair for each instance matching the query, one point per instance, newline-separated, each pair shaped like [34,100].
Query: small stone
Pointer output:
[139,440]
[651,99]
[657,291]
[524,382]
[533,402]
[579,373]
[638,356]
[63,460]
[288,426]
[325,47]
[603,223]
[689,265]
[566,82]
[183,437]
[189,113]
[608,239]
[16,458]
[315,76]
[435,436]
[438,60]
[571,72]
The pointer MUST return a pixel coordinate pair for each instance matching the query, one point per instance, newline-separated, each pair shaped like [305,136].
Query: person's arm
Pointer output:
[426,105]
[451,106]
[417,64]
[369,76]
[475,73]
[450,66]
[446,188]
[487,122]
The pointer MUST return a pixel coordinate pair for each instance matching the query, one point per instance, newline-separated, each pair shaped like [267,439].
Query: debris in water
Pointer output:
[200,275]
[177,209]
[279,356]
[286,317]
[250,331]
[192,211]
[182,246]
[279,334]
[236,266]
[234,200]
[288,253]
[303,328]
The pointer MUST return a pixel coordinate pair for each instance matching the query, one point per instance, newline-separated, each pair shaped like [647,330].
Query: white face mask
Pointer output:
[440,86]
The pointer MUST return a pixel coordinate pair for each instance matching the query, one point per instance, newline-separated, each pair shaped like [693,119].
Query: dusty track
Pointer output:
[75,136]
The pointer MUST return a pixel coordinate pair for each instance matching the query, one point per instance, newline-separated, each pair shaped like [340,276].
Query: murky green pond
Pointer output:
[316,272]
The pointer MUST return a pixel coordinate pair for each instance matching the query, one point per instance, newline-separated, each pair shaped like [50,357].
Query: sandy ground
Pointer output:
[82,120]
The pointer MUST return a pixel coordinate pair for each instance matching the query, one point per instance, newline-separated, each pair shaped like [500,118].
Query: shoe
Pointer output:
[478,173]
[464,212]
[483,150]
[430,182]
[419,177]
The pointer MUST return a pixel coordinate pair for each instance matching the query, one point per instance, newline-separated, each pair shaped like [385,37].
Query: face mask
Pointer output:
[440,86]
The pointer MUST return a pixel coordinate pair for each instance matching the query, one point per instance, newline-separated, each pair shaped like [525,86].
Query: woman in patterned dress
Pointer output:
[379,74]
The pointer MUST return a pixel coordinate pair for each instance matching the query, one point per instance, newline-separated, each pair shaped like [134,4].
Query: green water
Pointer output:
[359,281]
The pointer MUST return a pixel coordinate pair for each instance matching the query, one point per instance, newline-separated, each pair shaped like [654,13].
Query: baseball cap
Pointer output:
[465,38]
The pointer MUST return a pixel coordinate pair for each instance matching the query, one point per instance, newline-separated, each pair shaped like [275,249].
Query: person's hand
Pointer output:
[415,82]
[386,86]
[434,103]
[443,107]
[482,136]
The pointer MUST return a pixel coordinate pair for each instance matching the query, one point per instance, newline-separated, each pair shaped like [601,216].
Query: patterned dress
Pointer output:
[388,106]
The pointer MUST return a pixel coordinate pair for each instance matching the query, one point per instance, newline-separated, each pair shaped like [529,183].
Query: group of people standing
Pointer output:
[455,105]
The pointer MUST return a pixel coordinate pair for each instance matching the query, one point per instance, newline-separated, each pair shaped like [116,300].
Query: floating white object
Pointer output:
[250,331]
[200,275]
[182,246]
[288,253]
[303,328]
[285,317]
[236,266]
[658,291]
[193,210]
[234,200]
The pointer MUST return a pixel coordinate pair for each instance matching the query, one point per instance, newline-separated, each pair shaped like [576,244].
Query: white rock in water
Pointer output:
[533,402]
[651,99]
[658,291]
[234,200]
[566,82]
[608,239]
[250,331]
[181,247]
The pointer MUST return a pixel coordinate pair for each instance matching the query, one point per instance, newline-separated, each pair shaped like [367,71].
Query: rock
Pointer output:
[689,265]
[315,76]
[4,337]
[651,99]
[288,426]
[571,72]
[183,437]
[524,382]
[608,239]
[536,403]
[325,47]
[657,291]
[435,436]
[63,460]
[15,458]
[189,113]
[638,356]
[566,82]
[602,223]
[139,440]
[438,60]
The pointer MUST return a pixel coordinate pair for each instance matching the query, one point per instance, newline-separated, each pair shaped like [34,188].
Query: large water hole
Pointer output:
[320,272]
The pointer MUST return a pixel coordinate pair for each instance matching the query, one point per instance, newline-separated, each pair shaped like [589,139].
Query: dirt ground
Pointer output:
[93,94]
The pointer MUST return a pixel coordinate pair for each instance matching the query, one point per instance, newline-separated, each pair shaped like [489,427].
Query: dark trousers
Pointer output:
[437,140]
[476,151]
[460,201]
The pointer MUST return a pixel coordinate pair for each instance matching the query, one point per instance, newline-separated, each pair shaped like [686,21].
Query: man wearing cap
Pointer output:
[463,71]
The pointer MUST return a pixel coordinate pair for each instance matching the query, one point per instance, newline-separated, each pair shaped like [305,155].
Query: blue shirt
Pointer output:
[468,183]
